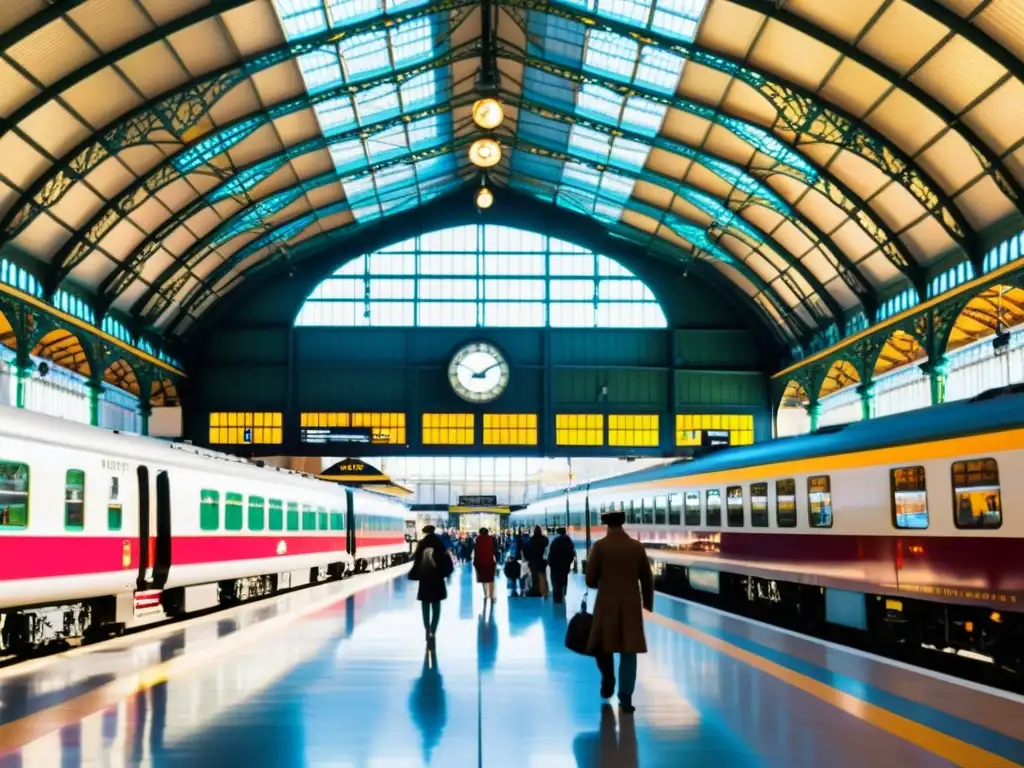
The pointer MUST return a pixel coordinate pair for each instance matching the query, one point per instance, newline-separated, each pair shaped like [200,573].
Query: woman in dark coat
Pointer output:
[431,565]
[485,558]
[619,570]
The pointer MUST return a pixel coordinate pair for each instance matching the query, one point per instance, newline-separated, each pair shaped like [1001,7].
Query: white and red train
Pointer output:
[101,530]
[909,527]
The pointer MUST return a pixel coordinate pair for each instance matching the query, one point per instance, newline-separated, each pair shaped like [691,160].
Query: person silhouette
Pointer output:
[427,705]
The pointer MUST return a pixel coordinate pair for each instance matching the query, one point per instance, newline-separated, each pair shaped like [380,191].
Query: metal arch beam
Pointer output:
[681,189]
[827,183]
[71,253]
[161,175]
[1006,181]
[129,264]
[182,267]
[668,254]
[711,249]
[132,46]
[177,110]
[119,280]
[769,292]
[186,259]
[798,108]
[660,143]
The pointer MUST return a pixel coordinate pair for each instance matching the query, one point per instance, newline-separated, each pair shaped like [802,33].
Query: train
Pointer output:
[906,529]
[102,531]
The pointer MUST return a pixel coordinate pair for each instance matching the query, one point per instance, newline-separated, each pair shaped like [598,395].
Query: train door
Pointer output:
[162,550]
[350,522]
[145,539]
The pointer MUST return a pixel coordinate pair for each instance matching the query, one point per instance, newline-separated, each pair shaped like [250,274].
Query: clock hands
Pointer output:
[479,374]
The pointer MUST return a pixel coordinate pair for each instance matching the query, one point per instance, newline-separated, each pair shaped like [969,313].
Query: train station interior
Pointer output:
[298,296]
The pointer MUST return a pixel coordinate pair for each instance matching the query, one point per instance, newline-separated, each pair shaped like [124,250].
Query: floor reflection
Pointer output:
[613,746]
[428,706]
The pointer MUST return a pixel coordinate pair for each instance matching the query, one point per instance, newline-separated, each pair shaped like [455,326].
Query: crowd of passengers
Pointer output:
[617,568]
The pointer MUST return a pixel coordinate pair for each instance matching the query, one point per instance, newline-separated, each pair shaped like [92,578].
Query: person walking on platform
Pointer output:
[431,565]
[561,555]
[619,570]
[485,558]
[536,548]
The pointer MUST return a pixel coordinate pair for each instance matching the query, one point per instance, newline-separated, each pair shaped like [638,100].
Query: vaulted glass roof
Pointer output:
[834,161]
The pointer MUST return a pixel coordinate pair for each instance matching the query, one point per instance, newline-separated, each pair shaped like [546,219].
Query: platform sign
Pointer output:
[343,436]
[715,438]
[478,501]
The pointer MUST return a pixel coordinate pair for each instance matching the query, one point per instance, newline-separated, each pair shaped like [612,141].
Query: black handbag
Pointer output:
[577,634]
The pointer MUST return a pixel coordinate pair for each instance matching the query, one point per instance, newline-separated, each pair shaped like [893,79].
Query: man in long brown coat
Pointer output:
[619,570]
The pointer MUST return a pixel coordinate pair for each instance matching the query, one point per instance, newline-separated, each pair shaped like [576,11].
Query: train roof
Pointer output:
[993,411]
[19,423]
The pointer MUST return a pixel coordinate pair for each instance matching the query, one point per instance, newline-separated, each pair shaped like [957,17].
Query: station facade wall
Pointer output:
[255,370]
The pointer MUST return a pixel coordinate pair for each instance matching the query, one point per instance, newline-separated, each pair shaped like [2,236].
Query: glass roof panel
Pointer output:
[911,170]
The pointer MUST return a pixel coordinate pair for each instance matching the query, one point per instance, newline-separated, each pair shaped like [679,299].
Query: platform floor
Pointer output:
[326,677]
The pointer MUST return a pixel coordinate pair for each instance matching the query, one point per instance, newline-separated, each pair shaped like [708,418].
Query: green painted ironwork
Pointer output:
[799,110]
[178,111]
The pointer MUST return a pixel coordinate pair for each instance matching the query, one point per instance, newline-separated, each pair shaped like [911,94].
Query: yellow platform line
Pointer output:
[955,750]
[21,732]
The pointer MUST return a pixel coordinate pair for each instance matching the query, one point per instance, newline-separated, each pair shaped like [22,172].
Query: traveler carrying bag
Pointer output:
[577,634]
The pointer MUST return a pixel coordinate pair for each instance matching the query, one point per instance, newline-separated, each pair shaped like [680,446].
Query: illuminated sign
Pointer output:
[344,435]
[478,501]
[715,438]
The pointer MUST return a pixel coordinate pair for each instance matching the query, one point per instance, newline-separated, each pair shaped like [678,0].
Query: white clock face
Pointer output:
[478,373]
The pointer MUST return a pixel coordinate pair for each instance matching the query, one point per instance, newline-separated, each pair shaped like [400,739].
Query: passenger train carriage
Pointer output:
[100,530]
[909,527]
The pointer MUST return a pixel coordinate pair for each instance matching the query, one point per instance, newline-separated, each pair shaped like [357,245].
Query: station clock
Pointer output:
[478,372]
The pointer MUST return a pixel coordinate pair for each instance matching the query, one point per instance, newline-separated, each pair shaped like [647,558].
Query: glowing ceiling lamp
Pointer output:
[485,153]
[484,198]
[488,114]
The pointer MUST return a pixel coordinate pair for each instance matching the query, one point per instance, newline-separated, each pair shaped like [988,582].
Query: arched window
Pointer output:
[483,275]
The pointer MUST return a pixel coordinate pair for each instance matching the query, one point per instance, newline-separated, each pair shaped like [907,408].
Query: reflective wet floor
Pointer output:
[347,681]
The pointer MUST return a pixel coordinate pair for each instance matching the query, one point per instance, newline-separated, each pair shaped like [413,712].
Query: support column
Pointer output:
[95,389]
[867,399]
[814,411]
[145,411]
[938,372]
[23,373]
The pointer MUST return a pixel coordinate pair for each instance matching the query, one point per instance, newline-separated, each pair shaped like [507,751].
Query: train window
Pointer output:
[691,507]
[257,513]
[819,501]
[647,507]
[74,500]
[785,503]
[293,516]
[734,506]
[209,510]
[976,498]
[276,517]
[660,504]
[337,520]
[713,503]
[308,518]
[321,516]
[759,505]
[675,506]
[114,516]
[909,497]
[13,494]
[233,511]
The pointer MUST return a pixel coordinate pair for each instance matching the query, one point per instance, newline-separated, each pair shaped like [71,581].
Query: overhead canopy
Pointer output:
[817,153]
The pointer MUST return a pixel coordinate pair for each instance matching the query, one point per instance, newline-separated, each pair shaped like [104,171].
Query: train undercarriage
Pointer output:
[40,629]
[899,627]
